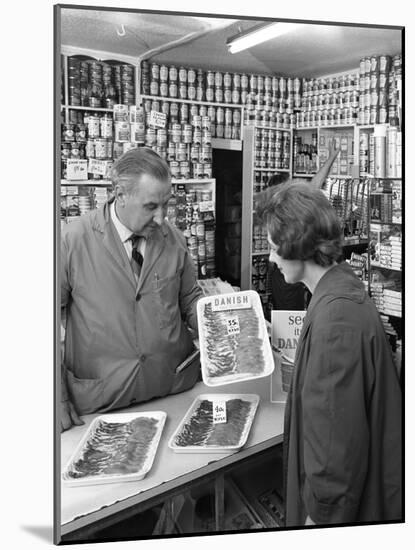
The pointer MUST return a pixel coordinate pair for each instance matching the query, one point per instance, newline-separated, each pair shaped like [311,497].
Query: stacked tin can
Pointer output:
[272,149]
[380,82]
[99,84]
[73,144]
[271,100]
[191,211]
[332,101]
[186,142]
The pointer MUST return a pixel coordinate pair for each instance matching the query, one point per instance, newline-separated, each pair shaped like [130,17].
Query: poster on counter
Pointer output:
[285,332]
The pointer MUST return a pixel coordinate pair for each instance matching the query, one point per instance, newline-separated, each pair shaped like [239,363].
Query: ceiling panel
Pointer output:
[310,51]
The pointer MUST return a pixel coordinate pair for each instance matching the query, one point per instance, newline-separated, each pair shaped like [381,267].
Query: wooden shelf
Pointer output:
[303,175]
[202,181]
[261,253]
[81,108]
[87,183]
[228,144]
[191,101]
[286,170]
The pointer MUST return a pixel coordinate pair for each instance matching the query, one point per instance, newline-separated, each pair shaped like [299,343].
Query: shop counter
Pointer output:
[82,506]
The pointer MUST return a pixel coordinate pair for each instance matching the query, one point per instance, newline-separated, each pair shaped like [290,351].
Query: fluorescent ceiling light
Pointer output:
[258,34]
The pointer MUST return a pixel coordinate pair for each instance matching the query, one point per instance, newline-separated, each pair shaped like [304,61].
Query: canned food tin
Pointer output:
[219,95]
[384,63]
[93,126]
[184,112]
[227,95]
[164,89]
[374,63]
[151,137]
[163,73]
[253,82]
[187,133]
[227,80]
[373,115]
[184,169]
[138,132]
[66,150]
[244,81]
[383,115]
[366,115]
[90,149]
[200,93]
[210,94]
[173,90]
[211,113]
[191,76]
[68,132]
[100,148]
[106,127]
[191,92]
[176,133]
[174,169]
[183,91]
[173,73]
[218,79]
[154,87]
[206,137]
[207,169]
[183,75]
[374,80]
[197,136]
[210,78]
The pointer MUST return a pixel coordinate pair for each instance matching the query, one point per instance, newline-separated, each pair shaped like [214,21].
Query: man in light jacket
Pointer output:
[129,294]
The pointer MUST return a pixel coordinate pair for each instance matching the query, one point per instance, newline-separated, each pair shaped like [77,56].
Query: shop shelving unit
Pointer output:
[249,167]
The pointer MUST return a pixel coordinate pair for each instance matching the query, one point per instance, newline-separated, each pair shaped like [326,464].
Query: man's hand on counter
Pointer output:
[69,416]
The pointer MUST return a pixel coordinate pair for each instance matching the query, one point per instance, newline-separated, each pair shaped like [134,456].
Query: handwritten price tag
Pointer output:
[219,412]
[157,120]
[232,325]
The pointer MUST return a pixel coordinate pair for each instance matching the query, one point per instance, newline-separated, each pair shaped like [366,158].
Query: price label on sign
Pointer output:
[219,411]
[206,206]
[157,120]
[232,324]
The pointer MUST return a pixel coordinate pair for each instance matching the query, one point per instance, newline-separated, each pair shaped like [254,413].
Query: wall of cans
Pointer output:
[191,211]
[94,83]
[268,100]
[272,149]
[380,84]
[329,101]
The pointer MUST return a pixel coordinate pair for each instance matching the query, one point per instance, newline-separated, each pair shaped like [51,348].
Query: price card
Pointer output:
[99,167]
[219,411]
[77,169]
[157,120]
[232,325]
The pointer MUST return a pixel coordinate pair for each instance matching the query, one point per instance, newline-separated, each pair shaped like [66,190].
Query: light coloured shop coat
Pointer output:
[343,436]
[123,341]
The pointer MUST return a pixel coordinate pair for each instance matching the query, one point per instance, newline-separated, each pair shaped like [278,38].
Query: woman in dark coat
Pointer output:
[343,432]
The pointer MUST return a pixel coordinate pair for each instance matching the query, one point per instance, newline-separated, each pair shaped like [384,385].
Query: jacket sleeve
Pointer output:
[190,292]
[336,428]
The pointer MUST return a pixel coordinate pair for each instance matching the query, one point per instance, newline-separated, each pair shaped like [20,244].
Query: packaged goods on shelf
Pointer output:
[272,149]
[99,84]
[305,155]
[329,101]
[379,86]
[192,211]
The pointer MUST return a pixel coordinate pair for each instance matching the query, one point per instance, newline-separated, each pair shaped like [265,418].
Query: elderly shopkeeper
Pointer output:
[129,289]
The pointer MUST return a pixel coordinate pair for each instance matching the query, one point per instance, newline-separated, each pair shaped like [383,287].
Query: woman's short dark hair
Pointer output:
[301,223]
[136,162]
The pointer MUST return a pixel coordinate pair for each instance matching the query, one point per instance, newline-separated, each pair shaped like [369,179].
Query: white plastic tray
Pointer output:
[204,340]
[121,418]
[253,399]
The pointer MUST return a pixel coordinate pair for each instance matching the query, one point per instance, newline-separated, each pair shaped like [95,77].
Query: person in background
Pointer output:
[343,432]
[295,297]
[129,294]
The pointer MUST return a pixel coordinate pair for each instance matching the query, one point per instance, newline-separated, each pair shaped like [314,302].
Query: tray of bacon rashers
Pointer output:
[233,338]
[116,447]
[198,432]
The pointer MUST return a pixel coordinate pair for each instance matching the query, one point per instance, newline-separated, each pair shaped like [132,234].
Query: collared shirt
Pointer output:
[125,234]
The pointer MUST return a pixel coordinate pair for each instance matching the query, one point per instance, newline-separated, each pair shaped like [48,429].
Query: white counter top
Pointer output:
[80,506]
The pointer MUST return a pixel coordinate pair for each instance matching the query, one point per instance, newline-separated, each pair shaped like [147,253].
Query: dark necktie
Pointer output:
[136,257]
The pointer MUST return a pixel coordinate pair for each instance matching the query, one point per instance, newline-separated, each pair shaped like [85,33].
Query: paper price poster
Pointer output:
[286,328]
